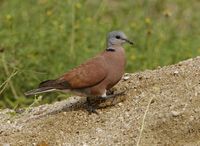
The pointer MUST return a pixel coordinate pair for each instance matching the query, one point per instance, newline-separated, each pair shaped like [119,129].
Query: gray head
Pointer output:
[117,38]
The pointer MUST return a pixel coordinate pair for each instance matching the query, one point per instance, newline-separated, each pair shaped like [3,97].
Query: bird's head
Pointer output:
[117,38]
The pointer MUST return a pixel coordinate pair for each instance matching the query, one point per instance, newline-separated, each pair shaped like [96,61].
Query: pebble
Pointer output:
[192,118]
[175,113]
[120,104]
[85,144]
[99,129]
[126,78]
[176,72]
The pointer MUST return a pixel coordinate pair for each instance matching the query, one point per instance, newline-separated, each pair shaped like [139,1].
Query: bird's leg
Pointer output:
[111,99]
[90,107]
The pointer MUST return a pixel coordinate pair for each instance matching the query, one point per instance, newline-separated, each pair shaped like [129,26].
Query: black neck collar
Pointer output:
[110,50]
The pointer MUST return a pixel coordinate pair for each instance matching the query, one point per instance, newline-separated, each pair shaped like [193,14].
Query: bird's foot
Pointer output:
[112,99]
[116,94]
[92,104]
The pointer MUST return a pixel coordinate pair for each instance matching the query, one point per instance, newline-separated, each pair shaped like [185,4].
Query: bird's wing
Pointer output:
[86,75]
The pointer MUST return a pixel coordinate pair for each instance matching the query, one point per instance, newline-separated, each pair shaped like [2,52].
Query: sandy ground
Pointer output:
[161,108]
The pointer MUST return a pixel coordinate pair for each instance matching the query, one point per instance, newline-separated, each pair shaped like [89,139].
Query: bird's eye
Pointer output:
[117,37]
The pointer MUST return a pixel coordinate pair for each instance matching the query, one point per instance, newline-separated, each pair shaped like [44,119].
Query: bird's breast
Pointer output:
[116,65]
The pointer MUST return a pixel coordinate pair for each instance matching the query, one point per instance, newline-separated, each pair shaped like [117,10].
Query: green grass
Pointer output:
[41,39]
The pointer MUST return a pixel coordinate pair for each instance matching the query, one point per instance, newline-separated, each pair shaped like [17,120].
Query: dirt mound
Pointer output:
[162,107]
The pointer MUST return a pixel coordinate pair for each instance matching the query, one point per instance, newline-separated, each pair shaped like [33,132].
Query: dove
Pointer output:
[96,76]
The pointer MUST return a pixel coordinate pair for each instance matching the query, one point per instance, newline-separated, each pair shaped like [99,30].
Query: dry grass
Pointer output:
[143,121]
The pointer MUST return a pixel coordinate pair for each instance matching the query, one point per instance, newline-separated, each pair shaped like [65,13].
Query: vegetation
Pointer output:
[41,39]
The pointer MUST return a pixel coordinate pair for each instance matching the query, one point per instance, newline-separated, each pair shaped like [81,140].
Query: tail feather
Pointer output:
[49,86]
[39,90]
[47,83]
[57,84]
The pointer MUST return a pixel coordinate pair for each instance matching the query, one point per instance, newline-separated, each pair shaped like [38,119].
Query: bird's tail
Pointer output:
[39,90]
[46,86]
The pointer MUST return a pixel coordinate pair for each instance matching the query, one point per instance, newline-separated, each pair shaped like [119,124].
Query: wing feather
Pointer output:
[86,75]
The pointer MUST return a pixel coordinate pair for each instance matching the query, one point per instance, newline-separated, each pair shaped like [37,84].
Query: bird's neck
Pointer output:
[109,49]
[113,48]
[115,55]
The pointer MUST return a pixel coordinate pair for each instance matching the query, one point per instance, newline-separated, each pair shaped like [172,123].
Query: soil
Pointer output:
[161,108]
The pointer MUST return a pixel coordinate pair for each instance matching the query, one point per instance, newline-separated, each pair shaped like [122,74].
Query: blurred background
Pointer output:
[41,39]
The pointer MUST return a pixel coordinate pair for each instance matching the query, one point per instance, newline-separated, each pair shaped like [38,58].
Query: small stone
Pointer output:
[126,78]
[192,118]
[120,104]
[196,110]
[85,144]
[175,113]
[176,72]
[99,130]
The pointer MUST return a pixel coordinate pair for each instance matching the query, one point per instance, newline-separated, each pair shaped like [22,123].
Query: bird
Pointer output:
[96,76]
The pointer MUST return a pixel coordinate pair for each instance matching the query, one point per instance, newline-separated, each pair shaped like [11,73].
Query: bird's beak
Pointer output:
[128,41]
